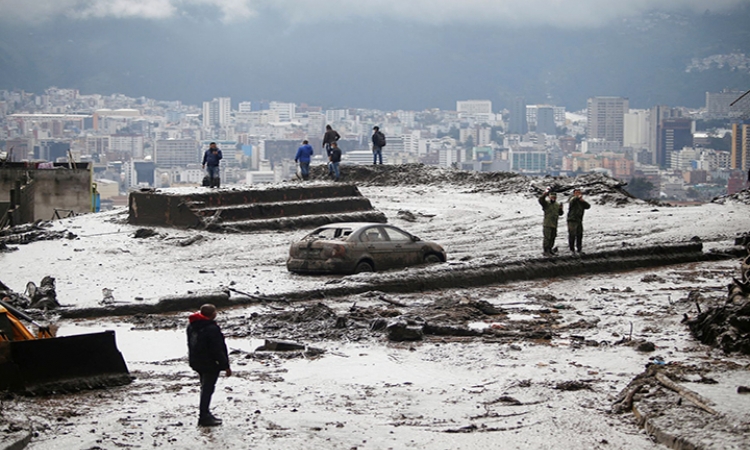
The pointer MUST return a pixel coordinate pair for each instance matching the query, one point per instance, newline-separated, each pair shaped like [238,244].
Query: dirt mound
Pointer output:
[609,189]
[742,196]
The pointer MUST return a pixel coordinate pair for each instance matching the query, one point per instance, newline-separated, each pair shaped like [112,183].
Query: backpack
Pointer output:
[381,139]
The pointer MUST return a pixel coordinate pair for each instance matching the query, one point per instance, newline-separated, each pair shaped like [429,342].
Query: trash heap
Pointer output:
[728,326]
[42,297]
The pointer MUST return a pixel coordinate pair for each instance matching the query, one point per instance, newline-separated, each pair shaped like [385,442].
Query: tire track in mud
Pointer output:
[444,276]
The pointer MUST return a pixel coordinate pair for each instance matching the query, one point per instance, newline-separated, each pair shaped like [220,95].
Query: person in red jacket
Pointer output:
[207,355]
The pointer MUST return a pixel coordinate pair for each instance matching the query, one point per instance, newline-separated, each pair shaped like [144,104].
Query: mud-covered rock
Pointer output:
[401,330]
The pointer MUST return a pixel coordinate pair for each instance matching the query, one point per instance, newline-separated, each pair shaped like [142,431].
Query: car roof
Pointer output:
[352,225]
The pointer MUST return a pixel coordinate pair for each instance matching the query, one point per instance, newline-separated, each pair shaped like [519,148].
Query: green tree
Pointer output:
[453,132]
[640,188]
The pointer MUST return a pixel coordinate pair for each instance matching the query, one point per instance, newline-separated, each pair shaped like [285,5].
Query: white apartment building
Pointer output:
[285,111]
[449,156]
[473,107]
[336,115]
[245,107]
[217,112]
[177,152]
[636,129]
[406,118]
[131,144]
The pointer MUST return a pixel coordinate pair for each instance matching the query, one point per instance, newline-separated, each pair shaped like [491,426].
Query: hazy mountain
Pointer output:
[385,64]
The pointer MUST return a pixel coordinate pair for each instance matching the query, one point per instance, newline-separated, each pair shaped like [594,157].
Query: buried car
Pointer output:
[353,247]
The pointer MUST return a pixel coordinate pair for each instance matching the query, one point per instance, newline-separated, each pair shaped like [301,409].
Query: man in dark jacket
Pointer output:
[576,207]
[211,158]
[207,354]
[552,212]
[329,138]
[378,142]
[303,156]
[335,160]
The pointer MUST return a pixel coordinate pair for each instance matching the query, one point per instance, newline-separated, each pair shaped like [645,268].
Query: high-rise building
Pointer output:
[657,115]
[740,155]
[606,118]
[674,135]
[518,123]
[718,103]
[635,129]
[545,120]
[217,112]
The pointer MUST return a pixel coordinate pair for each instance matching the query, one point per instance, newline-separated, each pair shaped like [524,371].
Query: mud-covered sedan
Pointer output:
[353,247]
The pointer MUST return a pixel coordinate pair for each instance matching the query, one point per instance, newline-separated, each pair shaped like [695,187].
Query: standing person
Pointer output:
[335,159]
[304,154]
[329,138]
[211,158]
[207,354]
[576,207]
[552,212]
[378,142]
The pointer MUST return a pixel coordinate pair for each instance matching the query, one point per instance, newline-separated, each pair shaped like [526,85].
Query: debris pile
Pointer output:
[742,196]
[609,189]
[31,232]
[728,325]
[43,296]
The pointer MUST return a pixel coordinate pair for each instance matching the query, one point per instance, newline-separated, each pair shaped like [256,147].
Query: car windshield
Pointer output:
[330,233]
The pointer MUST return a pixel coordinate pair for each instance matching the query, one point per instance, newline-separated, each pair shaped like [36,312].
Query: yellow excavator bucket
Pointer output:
[32,365]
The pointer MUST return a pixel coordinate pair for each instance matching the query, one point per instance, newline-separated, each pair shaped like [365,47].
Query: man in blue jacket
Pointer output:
[304,154]
[207,355]
[211,159]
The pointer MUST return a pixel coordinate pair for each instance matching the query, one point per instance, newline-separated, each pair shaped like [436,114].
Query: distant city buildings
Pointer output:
[135,142]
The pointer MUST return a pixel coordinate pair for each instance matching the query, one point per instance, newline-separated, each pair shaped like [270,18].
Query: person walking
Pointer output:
[335,159]
[576,207]
[211,159]
[329,138]
[552,212]
[304,154]
[378,142]
[207,355]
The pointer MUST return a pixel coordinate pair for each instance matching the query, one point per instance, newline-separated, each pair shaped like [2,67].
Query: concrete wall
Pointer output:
[59,188]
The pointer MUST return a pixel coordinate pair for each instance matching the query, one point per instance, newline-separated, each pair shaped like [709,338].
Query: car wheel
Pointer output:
[364,266]
[432,259]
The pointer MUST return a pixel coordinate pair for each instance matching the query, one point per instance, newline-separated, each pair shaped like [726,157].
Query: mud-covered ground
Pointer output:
[534,364]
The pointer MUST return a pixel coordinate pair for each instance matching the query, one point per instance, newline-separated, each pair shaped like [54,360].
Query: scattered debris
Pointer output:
[142,233]
[728,325]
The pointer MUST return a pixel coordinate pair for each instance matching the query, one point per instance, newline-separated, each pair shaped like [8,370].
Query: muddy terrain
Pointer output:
[571,357]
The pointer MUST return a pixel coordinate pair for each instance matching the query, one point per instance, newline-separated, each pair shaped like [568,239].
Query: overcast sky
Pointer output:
[562,13]
[385,54]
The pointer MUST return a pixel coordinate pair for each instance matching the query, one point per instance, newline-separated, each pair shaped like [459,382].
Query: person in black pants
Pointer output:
[207,354]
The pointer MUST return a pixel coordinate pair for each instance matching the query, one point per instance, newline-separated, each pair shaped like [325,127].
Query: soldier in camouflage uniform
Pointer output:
[552,212]
[576,207]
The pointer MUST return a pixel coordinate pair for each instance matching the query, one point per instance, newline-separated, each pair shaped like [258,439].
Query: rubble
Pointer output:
[608,190]
[42,297]
[727,326]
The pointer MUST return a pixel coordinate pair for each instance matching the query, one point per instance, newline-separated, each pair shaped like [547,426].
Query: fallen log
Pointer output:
[685,393]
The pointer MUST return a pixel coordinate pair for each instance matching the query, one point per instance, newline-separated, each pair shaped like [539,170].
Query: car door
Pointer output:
[375,243]
[404,251]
